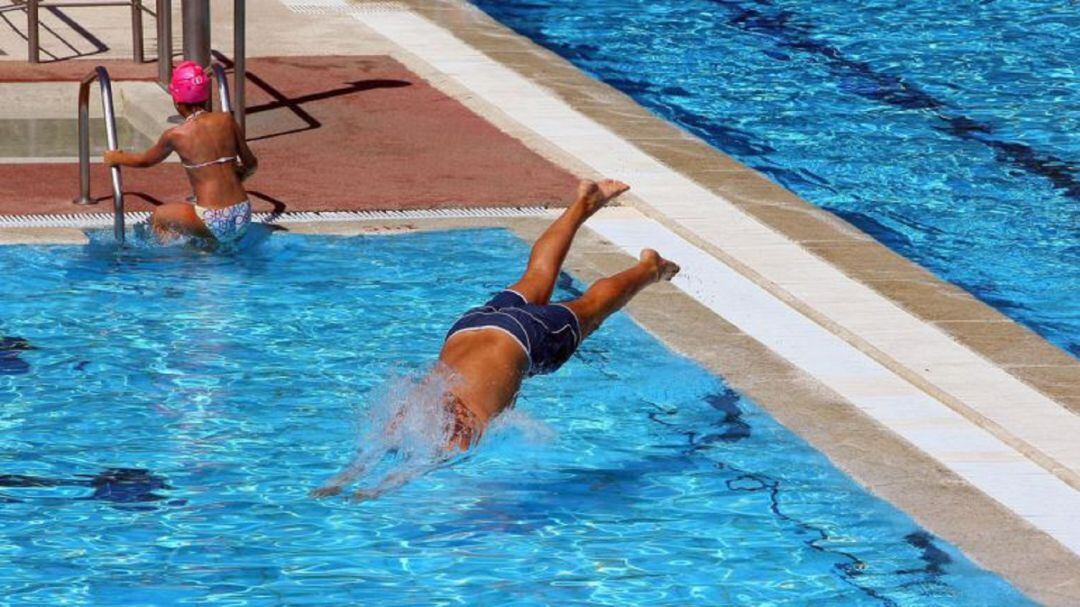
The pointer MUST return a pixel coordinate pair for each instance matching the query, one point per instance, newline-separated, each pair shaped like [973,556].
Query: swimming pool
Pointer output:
[948,132]
[159,445]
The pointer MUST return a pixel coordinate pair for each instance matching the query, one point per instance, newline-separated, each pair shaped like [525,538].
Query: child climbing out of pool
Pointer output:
[515,335]
[213,150]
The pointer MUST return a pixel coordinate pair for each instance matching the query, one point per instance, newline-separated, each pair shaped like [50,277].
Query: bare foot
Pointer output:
[665,268]
[595,195]
[327,491]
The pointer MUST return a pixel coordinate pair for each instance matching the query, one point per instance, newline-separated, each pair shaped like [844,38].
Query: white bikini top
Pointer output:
[200,165]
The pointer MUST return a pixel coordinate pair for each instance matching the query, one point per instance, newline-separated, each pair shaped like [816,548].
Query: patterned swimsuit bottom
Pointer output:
[226,224]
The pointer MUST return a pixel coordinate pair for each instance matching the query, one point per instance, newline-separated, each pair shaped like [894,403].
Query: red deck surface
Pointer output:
[331,133]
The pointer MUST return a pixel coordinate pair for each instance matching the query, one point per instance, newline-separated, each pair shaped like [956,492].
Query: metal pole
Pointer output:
[224,102]
[164,44]
[32,34]
[197,31]
[110,132]
[102,76]
[240,60]
[137,32]
[84,141]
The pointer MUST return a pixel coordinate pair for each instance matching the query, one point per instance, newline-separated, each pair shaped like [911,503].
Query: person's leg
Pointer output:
[177,219]
[609,294]
[549,252]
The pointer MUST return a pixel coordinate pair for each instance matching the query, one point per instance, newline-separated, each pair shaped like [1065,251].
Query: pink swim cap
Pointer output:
[190,83]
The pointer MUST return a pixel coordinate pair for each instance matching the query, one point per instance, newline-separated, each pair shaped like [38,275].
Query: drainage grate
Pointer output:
[342,7]
[105,220]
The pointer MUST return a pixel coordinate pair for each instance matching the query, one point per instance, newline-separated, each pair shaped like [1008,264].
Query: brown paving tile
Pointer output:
[1009,344]
[933,300]
[804,224]
[1065,377]
[752,187]
[1072,403]
[1063,381]
[868,261]
[690,156]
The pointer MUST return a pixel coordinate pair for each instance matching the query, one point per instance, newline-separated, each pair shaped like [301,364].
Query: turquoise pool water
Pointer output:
[158,445]
[950,131]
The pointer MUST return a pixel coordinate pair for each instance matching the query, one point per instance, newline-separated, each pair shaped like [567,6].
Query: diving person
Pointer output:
[519,333]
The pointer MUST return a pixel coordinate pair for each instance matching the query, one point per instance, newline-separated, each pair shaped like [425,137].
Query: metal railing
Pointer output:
[224,100]
[164,41]
[101,75]
[240,60]
[33,22]
[162,14]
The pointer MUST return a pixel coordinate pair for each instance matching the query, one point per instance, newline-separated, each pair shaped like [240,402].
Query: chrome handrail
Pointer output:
[101,75]
[224,100]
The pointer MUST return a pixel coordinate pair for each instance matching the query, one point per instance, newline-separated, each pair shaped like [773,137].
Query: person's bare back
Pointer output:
[208,137]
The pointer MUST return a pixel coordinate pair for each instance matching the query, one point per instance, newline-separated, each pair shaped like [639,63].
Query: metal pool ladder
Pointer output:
[101,75]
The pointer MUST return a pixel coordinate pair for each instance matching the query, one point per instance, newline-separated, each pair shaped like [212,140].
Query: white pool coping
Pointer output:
[1006,438]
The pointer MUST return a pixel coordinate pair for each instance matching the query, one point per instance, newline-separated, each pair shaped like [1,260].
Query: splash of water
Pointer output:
[403,433]
[140,238]
[515,426]
[408,414]
[408,430]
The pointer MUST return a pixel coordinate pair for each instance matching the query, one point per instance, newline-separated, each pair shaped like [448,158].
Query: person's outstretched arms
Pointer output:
[248,162]
[397,479]
[366,457]
[157,152]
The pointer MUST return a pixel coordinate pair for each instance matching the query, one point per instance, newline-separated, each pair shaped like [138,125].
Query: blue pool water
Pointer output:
[160,442]
[950,131]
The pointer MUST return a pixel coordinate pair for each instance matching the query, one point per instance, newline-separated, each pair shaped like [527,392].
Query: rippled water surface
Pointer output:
[158,444]
[950,131]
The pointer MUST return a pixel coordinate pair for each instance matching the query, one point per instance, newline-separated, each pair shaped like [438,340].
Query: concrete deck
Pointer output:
[926,396]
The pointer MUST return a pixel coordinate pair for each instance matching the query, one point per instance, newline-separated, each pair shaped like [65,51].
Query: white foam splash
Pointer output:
[407,430]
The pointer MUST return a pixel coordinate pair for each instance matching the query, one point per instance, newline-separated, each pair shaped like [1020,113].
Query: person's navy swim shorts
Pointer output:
[549,334]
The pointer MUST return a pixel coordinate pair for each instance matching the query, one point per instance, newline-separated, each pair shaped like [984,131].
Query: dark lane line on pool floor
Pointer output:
[895,91]
[10,349]
[117,485]
[855,77]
